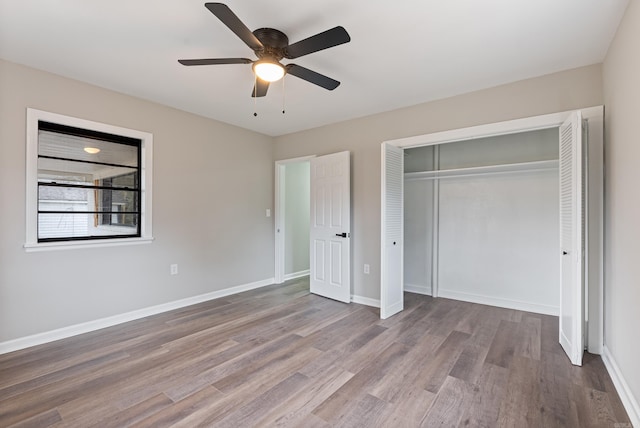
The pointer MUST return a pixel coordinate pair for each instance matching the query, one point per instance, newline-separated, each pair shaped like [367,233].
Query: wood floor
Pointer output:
[279,356]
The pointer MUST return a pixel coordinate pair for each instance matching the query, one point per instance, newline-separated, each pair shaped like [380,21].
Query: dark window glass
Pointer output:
[88,184]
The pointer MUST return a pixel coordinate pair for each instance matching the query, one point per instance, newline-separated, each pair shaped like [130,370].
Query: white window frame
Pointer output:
[146,164]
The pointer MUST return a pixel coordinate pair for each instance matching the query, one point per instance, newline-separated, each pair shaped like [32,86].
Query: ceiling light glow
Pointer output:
[268,70]
[92,150]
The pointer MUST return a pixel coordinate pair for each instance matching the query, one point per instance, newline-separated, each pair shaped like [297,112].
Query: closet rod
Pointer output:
[484,170]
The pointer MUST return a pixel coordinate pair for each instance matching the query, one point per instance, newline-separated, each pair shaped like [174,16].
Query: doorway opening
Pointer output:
[313,223]
[481,220]
[292,218]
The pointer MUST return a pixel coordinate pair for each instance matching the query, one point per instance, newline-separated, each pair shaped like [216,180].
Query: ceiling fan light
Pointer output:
[268,71]
[92,150]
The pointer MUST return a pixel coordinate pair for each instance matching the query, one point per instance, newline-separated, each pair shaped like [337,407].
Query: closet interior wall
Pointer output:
[481,220]
[296,219]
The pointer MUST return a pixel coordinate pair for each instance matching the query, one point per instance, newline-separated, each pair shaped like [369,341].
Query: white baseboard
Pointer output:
[502,303]
[73,330]
[365,301]
[296,275]
[417,289]
[629,402]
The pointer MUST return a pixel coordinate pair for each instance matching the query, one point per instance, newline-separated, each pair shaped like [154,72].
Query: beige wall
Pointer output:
[212,183]
[621,75]
[547,94]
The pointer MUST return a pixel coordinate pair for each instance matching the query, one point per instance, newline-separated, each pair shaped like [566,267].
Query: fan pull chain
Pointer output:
[255,95]
[283,95]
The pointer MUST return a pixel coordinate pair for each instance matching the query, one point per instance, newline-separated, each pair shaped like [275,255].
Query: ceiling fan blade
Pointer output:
[228,18]
[260,88]
[327,39]
[312,77]
[214,61]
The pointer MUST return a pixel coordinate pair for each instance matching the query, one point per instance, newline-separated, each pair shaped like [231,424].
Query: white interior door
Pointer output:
[330,231]
[392,222]
[572,313]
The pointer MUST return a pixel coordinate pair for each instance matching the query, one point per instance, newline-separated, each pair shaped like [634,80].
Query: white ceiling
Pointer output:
[401,52]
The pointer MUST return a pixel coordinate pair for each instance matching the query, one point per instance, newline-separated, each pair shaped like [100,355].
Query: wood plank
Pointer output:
[342,330]
[488,393]
[436,368]
[367,378]
[503,344]
[410,407]
[86,366]
[292,359]
[296,410]
[556,389]
[343,410]
[522,405]
[126,417]
[45,419]
[180,411]
[454,395]
[344,352]
[402,378]
[528,334]
[310,421]
[266,401]
[470,363]
[131,385]
[470,319]
[367,412]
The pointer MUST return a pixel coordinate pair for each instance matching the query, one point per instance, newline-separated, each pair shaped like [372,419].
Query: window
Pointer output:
[87,183]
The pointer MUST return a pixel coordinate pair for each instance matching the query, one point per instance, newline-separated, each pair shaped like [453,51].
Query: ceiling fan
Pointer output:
[271,46]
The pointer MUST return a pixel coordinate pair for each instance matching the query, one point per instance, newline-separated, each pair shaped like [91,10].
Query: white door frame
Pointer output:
[279,214]
[594,305]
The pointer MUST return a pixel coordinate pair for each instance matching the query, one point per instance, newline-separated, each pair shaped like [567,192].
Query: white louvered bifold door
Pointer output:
[391,269]
[572,315]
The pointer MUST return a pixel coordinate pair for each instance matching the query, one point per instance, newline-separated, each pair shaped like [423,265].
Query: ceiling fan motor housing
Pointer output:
[274,41]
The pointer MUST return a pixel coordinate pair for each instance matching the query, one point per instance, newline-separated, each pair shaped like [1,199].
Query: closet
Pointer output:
[481,220]
[507,214]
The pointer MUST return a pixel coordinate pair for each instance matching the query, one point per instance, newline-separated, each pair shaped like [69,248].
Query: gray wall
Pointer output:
[621,75]
[296,217]
[562,91]
[212,183]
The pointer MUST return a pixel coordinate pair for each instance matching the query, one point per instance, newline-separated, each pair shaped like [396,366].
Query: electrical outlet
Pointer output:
[173,269]
[366,268]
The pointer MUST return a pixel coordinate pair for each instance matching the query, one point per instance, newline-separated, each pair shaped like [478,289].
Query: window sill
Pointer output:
[72,245]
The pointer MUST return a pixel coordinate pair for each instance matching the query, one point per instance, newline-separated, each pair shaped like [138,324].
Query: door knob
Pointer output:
[564,253]
[342,235]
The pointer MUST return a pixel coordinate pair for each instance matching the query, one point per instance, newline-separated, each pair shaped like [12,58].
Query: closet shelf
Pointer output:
[484,170]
